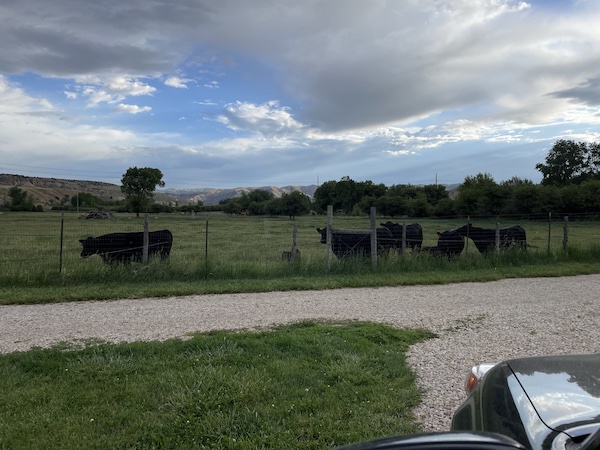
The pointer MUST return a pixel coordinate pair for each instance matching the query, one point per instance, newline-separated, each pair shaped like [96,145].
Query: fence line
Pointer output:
[43,242]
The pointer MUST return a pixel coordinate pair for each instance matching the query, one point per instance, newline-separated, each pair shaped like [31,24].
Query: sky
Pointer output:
[237,93]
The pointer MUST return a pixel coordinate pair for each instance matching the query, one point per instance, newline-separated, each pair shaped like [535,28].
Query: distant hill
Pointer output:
[49,191]
[210,196]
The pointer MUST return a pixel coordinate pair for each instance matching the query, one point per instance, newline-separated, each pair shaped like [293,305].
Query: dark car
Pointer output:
[550,402]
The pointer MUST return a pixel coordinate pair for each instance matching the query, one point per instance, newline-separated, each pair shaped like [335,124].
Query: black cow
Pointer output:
[485,239]
[449,244]
[127,247]
[352,243]
[414,235]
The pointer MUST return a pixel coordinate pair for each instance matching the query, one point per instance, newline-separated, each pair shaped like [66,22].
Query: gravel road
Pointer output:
[475,322]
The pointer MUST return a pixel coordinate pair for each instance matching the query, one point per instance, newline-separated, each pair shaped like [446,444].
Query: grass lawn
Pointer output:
[301,386]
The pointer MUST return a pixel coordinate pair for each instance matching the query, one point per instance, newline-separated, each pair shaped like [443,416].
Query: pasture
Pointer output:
[216,253]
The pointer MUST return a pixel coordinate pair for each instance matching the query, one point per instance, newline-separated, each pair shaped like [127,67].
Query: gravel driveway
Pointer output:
[475,322]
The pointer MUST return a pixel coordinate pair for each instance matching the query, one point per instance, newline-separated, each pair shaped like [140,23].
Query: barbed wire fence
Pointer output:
[50,243]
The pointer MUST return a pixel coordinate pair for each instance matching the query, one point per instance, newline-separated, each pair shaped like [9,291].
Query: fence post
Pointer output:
[206,242]
[294,243]
[549,228]
[467,239]
[497,240]
[565,233]
[146,241]
[403,236]
[373,237]
[62,233]
[328,234]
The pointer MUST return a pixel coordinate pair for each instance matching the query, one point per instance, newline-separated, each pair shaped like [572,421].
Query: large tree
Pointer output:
[481,195]
[138,185]
[570,162]
[294,204]
[20,200]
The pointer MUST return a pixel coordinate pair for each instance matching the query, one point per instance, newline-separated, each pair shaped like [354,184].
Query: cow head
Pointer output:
[323,233]
[89,247]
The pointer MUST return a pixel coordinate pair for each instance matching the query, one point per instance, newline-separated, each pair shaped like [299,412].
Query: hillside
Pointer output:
[209,196]
[50,191]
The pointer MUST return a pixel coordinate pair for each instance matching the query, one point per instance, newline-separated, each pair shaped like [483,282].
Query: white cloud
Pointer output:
[269,119]
[212,85]
[50,137]
[126,86]
[177,82]
[131,109]
[96,96]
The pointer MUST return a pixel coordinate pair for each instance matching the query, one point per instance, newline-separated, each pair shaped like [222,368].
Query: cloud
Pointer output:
[348,64]
[52,137]
[586,92]
[124,85]
[372,84]
[112,89]
[177,82]
[131,109]
[96,96]
[268,119]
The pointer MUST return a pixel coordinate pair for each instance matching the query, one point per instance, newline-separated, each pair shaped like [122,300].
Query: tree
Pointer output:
[343,195]
[570,162]
[138,185]
[480,195]
[20,200]
[295,203]
[435,193]
[84,199]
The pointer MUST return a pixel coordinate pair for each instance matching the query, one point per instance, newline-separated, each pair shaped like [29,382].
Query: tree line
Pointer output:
[570,184]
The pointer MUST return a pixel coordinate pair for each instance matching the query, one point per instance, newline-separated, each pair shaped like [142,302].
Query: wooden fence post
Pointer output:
[206,243]
[373,237]
[565,233]
[328,234]
[62,233]
[497,240]
[549,229]
[467,239]
[403,236]
[146,241]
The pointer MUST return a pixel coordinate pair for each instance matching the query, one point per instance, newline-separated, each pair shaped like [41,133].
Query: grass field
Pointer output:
[302,386]
[217,253]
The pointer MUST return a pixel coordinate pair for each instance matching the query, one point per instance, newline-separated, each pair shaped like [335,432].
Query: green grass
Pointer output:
[301,386]
[224,254]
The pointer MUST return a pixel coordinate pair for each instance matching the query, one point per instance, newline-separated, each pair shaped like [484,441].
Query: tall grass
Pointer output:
[232,254]
[301,386]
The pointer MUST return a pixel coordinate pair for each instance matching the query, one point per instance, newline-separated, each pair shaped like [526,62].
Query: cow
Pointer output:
[450,244]
[485,238]
[414,235]
[127,247]
[356,243]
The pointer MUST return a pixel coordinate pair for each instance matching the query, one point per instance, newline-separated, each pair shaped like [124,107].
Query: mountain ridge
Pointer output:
[50,191]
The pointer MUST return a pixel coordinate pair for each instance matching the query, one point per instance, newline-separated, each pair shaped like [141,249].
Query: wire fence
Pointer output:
[51,242]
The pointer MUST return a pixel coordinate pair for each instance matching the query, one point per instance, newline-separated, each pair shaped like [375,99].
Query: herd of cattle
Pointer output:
[348,243]
[128,247]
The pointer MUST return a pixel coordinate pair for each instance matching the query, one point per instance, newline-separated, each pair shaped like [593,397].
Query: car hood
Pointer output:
[556,392]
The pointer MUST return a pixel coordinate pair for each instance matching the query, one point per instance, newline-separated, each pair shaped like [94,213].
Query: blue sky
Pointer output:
[234,93]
